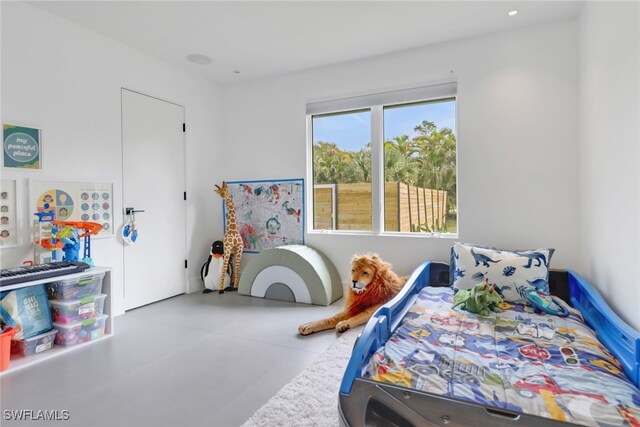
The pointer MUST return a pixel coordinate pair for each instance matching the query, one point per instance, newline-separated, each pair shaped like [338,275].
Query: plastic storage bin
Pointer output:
[5,347]
[78,288]
[81,331]
[79,309]
[34,345]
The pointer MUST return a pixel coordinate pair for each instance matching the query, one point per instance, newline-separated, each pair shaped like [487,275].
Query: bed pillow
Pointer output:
[513,272]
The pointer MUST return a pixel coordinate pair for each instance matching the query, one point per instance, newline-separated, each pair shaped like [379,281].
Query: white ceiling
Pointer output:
[264,38]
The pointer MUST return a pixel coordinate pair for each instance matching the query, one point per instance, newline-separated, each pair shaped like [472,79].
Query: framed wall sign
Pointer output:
[74,201]
[8,216]
[21,147]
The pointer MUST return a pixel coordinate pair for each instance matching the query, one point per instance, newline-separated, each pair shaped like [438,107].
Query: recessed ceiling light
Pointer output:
[236,71]
[513,12]
[196,58]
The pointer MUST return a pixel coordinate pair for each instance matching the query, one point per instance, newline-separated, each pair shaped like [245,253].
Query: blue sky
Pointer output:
[353,131]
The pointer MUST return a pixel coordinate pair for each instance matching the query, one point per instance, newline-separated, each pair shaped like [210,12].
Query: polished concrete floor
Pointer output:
[192,360]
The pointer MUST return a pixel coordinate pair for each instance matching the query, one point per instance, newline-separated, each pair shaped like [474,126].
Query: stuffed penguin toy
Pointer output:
[212,269]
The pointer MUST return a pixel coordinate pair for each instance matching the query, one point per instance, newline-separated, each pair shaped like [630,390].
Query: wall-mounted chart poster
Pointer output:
[74,201]
[8,218]
[269,213]
[21,147]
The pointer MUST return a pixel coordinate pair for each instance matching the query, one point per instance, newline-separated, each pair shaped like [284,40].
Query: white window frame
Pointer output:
[375,103]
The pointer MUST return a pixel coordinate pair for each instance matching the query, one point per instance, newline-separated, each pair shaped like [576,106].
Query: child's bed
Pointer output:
[418,362]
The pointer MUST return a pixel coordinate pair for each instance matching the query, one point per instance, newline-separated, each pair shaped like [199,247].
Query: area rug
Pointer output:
[311,398]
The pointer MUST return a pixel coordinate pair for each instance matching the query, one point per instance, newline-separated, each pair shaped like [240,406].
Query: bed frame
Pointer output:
[366,402]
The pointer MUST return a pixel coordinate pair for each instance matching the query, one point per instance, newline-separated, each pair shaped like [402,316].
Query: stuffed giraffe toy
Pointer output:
[232,240]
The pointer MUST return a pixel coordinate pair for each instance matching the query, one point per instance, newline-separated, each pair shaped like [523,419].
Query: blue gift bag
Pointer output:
[28,307]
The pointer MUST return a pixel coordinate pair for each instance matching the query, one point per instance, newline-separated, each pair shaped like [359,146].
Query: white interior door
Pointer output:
[153,160]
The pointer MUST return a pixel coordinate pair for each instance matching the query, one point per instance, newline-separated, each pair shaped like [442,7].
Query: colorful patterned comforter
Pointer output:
[515,360]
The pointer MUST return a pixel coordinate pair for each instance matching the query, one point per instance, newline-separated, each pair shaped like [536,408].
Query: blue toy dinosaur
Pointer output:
[482,259]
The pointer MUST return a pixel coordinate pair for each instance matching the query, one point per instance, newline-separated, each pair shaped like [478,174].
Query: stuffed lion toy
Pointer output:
[372,285]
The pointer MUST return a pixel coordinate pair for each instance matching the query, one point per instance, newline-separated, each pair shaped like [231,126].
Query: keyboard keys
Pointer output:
[12,276]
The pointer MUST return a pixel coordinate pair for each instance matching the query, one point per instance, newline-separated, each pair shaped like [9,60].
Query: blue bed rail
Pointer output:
[619,338]
[384,321]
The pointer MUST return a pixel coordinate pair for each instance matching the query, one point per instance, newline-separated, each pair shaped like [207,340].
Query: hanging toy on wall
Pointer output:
[130,229]
[212,269]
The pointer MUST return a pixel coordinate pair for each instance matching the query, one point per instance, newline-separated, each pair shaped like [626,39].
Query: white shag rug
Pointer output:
[311,398]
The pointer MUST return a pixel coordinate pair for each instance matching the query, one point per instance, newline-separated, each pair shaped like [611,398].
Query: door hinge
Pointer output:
[184,127]
[185,263]
[185,195]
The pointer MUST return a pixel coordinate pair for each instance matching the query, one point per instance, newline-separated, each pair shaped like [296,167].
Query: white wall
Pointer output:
[517,119]
[610,152]
[66,81]
[517,122]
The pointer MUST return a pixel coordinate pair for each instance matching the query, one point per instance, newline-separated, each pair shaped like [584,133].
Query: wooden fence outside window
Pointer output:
[406,208]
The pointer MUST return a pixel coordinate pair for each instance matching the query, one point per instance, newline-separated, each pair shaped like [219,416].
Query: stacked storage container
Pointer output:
[34,345]
[77,309]
[27,310]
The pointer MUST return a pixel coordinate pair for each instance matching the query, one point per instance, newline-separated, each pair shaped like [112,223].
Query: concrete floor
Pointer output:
[192,360]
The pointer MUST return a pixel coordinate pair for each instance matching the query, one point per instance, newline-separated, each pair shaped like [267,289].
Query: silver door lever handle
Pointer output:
[129,211]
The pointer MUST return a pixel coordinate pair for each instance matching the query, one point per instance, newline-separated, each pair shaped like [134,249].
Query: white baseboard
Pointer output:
[194,284]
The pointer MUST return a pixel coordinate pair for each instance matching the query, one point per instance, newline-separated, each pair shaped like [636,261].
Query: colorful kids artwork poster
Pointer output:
[269,213]
[8,217]
[21,147]
[73,201]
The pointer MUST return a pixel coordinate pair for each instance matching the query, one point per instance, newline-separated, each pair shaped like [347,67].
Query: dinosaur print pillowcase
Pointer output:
[513,272]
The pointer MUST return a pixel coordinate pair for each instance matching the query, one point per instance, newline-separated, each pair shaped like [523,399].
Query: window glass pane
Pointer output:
[342,171]
[420,167]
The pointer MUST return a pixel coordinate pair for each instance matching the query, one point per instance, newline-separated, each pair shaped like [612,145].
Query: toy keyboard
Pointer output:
[27,273]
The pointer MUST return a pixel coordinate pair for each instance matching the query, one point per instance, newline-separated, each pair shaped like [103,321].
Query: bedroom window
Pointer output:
[342,167]
[384,163]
